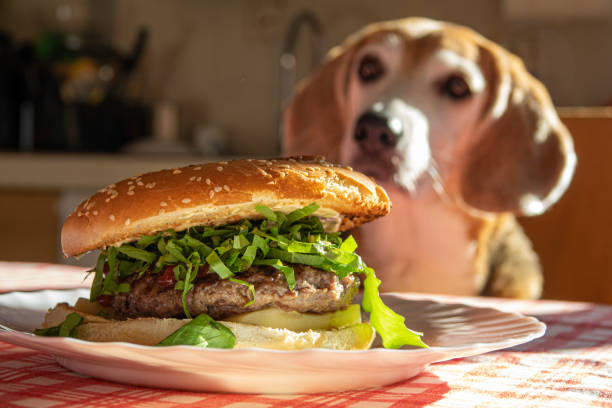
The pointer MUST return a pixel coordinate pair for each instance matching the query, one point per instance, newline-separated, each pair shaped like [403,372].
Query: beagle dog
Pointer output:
[461,136]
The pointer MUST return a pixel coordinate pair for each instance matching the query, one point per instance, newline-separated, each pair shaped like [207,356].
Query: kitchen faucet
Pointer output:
[288,59]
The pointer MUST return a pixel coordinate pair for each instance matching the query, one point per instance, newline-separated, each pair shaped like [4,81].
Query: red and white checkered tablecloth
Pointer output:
[571,366]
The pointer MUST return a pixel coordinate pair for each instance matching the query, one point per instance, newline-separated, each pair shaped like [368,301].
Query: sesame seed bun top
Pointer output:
[219,193]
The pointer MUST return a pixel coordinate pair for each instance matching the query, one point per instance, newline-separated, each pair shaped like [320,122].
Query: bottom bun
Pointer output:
[150,331]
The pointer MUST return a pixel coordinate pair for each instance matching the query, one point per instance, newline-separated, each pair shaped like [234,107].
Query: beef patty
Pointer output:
[315,291]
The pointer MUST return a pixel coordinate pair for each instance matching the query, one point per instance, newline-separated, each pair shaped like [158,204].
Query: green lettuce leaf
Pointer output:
[388,324]
[97,285]
[65,329]
[137,253]
[203,331]
[249,286]
[217,265]
[301,213]
[286,270]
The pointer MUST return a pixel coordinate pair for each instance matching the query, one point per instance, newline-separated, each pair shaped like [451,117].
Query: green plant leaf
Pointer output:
[301,213]
[202,331]
[137,253]
[387,323]
[217,265]
[266,212]
[251,288]
[65,329]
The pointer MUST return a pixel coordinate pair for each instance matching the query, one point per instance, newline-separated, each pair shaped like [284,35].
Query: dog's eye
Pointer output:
[455,87]
[370,68]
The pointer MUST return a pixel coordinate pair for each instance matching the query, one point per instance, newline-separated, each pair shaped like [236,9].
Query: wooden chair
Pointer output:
[573,238]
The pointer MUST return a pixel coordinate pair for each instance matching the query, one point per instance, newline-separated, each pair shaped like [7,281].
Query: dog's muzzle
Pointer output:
[375,132]
[392,142]
[376,137]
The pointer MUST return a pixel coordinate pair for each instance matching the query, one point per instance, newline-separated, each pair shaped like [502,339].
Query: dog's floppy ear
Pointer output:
[316,119]
[523,157]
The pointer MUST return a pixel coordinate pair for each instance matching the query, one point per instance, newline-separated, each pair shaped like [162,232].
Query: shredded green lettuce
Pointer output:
[277,240]
[65,329]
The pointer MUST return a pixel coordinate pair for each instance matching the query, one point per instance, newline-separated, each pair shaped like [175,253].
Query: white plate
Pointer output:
[452,330]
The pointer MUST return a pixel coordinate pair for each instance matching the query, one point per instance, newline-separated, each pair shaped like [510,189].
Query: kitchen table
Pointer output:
[570,366]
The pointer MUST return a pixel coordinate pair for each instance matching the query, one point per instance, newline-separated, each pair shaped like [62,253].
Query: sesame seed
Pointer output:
[127,222]
[112,186]
[219,168]
[349,168]
[150,185]
[222,162]
[79,214]
[282,174]
[140,183]
[176,171]
[198,168]
[208,181]
[192,178]
[130,183]
[226,187]
[131,188]
[272,182]
[217,189]
[186,200]
[111,217]
[107,200]
[211,194]
[95,212]
[163,204]
[86,213]
[131,192]
[199,179]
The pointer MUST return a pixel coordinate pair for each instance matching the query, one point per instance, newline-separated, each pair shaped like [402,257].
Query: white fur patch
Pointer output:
[393,40]
[567,173]
[542,131]
[531,205]
[503,93]
[421,28]
[413,146]
[473,75]
[518,96]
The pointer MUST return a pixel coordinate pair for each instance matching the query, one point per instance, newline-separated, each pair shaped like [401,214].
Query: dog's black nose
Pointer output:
[375,132]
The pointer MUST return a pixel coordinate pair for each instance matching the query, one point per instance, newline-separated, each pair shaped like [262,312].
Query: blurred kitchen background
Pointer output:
[94,91]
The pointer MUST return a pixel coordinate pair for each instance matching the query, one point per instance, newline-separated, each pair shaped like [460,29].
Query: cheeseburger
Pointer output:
[246,253]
